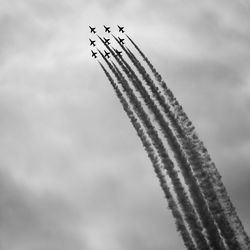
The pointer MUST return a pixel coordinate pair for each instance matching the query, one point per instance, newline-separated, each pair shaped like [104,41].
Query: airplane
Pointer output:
[107,29]
[121,40]
[107,54]
[121,29]
[94,54]
[106,41]
[118,52]
[92,42]
[92,30]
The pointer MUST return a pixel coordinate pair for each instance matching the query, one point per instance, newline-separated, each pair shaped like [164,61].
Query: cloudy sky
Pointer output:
[73,174]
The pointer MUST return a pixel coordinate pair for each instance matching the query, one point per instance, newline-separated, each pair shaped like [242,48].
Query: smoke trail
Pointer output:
[181,227]
[205,215]
[208,171]
[201,156]
[183,199]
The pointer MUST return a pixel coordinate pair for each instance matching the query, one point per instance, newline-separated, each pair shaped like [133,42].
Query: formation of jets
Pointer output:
[106,41]
[107,29]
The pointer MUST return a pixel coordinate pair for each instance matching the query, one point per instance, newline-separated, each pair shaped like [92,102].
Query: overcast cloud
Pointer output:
[73,174]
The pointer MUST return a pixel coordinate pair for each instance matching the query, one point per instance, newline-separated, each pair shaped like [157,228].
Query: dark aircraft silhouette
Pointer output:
[107,54]
[92,42]
[121,40]
[92,30]
[118,52]
[106,41]
[121,29]
[94,54]
[107,29]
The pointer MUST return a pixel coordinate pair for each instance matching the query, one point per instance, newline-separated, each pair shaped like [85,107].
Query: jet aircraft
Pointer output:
[107,54]
[92,29]
[106,40]
[107,29]
[121,29]
[121,40]
[118,52]
[94,54]
[92,42]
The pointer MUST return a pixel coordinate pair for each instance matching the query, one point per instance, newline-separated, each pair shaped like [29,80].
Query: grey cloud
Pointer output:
[21,32]
[35,221]
[134,213]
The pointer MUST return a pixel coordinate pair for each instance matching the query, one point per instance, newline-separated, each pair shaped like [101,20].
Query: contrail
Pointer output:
[228,220]
[201,206]
[205,215]
[183,199]
[180,224]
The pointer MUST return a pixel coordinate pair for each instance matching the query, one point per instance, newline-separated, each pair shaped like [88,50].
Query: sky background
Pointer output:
[73,174]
